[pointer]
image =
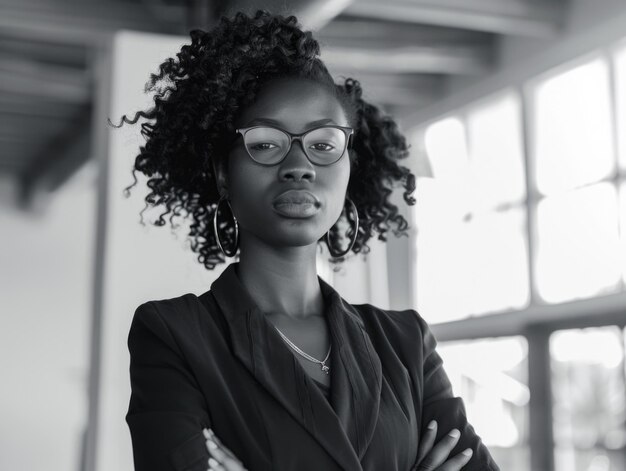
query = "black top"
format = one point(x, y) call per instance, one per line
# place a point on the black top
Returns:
point(216, 361)
point(325, 389)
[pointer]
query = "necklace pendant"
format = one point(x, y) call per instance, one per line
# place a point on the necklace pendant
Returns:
point(325, 368)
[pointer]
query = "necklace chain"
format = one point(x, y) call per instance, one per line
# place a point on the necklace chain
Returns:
point(325, 368)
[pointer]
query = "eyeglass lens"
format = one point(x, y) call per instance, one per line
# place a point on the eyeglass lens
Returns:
point(323, 145)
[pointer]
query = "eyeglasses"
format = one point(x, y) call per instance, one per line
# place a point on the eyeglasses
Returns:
point(268, 145)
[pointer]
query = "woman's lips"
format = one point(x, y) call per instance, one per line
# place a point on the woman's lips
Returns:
point(296, 204)
point(296, 210)
point(296, 196)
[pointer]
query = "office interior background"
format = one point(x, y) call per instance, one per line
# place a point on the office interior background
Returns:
point(516, 115)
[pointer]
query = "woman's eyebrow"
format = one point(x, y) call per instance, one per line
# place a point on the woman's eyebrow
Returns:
point(278, 123)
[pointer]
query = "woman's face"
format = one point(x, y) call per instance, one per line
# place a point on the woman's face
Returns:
point(294, 105)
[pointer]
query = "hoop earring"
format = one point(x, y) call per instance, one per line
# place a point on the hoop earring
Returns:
point(217, 236)
point(356, 232)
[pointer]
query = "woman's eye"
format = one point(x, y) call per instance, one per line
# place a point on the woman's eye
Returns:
point(322, 146)
point(262, 146)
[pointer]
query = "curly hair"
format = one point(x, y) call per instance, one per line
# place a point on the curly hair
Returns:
point(197, 98)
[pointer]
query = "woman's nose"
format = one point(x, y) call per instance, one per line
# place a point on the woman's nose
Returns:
point(296, 164)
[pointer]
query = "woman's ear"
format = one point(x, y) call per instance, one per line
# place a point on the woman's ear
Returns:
point(220, 178)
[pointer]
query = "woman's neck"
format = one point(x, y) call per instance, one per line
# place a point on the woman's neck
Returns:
point(283, 285)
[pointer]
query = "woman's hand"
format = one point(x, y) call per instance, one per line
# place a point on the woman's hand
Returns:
point(435, 458)
point(429, 458)
point(222, 458)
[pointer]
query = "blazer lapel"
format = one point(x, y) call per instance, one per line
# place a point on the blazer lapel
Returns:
point(345, 426)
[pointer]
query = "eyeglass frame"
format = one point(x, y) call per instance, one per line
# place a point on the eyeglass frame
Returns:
point(348, 131)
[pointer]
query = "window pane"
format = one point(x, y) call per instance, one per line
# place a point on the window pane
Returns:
point(443, 252)
point(589, 397)
point(578, 244)
point(622, 204)
point(471, 266)
point(447, 148)
point(420, 160)
point(620, 83)
point(572, 128)
point(491, 375)
point(495, 148)
point(498, 261)
point(440, 200)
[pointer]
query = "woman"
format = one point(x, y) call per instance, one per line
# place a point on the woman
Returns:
point(271, 369)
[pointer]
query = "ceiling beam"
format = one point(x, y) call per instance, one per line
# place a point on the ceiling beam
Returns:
point(58, 159)
point(20, 125)
point(71, 21)
point(59, 54)
point(18, 151)
point(311, 14)
point(11, 166)
point(40, 80)
point(166, 13)
point(535, 18)
point(397, 89)
point(459, 60)
point(347, 31)
point(380, 46)
point(27, 105)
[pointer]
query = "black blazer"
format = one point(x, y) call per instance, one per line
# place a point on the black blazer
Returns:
point(216, 361)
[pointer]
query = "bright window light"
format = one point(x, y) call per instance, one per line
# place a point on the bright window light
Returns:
point(440, 200)
point(622, 210)
point(578, 244)
point(491, 375)
point(468, 267)
point(572, 129)
point(498, 262)
point(620, 83)
point(472, 260)
point(496, 154)
point(447, 148)
point(602, 347)
point(588, 391)
point(443, 249)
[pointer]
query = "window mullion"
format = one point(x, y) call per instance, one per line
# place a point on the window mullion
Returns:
point(613, 104)
point(540, 406)
point(532, 194)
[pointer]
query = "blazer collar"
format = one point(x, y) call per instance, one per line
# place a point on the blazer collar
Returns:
point(344, 427)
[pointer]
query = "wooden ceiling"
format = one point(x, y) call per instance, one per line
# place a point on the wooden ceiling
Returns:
point(402, 51)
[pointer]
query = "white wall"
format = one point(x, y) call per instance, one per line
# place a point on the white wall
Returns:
point(45, 312)
point(140, 263)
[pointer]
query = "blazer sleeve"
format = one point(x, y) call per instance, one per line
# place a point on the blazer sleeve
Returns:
point(440, 404)
point(167, 410)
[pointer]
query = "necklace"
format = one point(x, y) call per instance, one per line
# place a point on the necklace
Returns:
point(325, 368)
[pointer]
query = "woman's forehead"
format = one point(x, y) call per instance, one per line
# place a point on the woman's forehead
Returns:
point(294, 103)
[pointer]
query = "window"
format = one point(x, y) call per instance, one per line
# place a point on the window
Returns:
point(473, 227)
point(622, 250)
point(620, 91)
point(577, 244)
point(620, 100)
point(572, 128)
point(524, 221)
point(589, 397)
point(471, 218)
point(574, 157)
point(496, 152)
point(492, 377)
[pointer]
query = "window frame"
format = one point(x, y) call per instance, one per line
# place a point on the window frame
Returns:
point(512, 322)
point(539, 319)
